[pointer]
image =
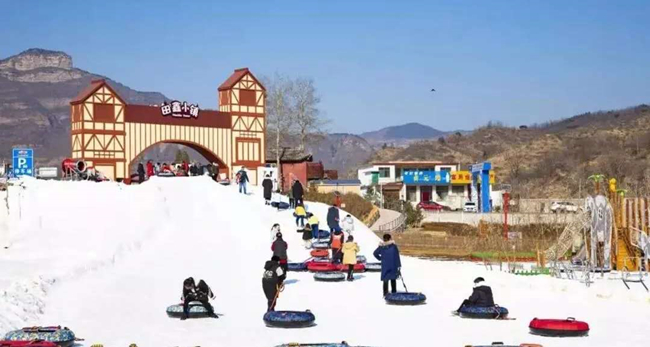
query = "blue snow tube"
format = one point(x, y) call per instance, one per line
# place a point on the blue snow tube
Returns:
point(196, 310)
point(289, 319)
point(491, 312)
point(323, 234)
point(296, 267)
point(373, 267)
point(280, 205)
point(329, 276)
point(63, 337)
point(320, 245)
point(405, 298)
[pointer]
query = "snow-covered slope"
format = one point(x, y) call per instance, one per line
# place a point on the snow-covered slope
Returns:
point(107, 259)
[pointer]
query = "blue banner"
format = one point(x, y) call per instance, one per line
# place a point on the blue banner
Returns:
point(425, 177)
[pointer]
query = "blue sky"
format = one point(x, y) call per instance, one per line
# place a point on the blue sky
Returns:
point(374, 62)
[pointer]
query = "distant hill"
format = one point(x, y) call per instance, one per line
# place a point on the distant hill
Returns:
point(342, 152)
point(402, 134)
point(36, 87)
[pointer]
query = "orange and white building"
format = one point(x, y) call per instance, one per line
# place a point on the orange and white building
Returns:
point(108, 133)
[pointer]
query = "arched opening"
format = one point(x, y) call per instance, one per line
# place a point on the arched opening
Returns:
point(167, 152)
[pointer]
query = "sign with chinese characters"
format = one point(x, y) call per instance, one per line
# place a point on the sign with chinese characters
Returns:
point(23, 161)
point(180, 109)
point(465, 177)
point(425, 177)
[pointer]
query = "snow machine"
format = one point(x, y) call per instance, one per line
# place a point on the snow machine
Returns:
point(196, 310)
point(280, 205)
point(63, 337)
point(289, 319)
point(35, 343)
point(569, 327)
point(320, 245)
point(320, 253)
point(361, 259)
point(329, 276)
point(405, 298)
point(296, 267)
point(373, 267)
point(491, 312)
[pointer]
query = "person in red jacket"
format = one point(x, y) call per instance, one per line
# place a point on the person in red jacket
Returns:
point(186, 167)
point(149, 169)
point(336, 243)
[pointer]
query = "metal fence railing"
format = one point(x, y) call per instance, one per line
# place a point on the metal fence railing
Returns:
point(396, 225)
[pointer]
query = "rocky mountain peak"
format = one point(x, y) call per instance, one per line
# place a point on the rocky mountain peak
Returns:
point(35, 58)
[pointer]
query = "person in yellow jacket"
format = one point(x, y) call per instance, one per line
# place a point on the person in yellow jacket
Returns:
point(350, 250)
point(313, 221)
point(300, 215)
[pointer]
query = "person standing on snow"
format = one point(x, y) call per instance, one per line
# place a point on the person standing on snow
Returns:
point(140, 173)
point(336, 244)
point(350, 250)
point(268, 189)
point(348, 224)
point(279, 248)
point(300, 215)
point(271, 282)
point(481, 296)
point(297, 192)
point(149, 169)
point(391, 265)
point(306, 236)
point(242, 179)
point(333, 219)
point(200, 293)
point(313, 221)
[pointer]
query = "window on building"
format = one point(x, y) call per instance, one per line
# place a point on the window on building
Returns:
point(104, 113)
point(247, 97)
point(458, 190)
point(442, 192)
point(398, 172)
point(384, 172)
point(447, 169)
point(411, 193)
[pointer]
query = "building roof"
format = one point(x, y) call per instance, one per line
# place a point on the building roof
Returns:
point(338, 182)
point(236, 76)
point(288, 155)
point(91, 89)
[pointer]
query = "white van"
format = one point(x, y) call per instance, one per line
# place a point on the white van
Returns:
point(470, 206)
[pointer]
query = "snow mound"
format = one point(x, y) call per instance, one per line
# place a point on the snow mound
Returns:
point(107, 259)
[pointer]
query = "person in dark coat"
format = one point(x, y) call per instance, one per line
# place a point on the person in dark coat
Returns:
point(391, 265)
point(200, 293)
point(140, 173)
point(279, 248)
point(333, 219)
point(481, 296)
point(242, 179)
point(268, 188)
point(297, 192)
point(271, 281)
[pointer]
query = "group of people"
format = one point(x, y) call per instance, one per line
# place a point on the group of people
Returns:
point(149, 169)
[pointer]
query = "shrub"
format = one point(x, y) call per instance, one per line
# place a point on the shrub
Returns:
point(414, 215)
point(354, 204)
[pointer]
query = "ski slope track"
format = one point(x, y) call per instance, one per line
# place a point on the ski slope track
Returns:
point(107, 259)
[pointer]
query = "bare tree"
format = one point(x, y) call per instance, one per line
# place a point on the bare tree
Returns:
point(305, 108)
point(279, 115)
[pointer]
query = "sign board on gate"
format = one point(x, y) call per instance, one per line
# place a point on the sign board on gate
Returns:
point(425, 177)
point(23, 162)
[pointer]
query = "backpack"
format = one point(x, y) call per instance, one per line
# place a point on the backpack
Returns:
point(337, 241)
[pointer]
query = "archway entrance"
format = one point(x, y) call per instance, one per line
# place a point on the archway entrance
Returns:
point(157, 152)
point(109, 134)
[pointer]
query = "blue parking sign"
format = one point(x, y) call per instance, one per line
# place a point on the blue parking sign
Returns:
point(23, 161)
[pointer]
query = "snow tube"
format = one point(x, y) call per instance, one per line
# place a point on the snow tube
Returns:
point(361, 259)
point(491, 312)
point(289, 319)
point(323, 234)
point(196, 310)
point(35, 343)
point(405, 298)
point(358, 267)
point(166, 174)
point(280, 205)
point(321, 267)
point(320, 253)
point(329, 276)
point(60, 336)
point(373, 267)
point(320, 245)
point(296, 267)
point(320, 260)
point(569, 327)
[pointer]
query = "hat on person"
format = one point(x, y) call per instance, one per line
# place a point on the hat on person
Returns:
point(479, 280)
point(278, 235)
point(275, 258)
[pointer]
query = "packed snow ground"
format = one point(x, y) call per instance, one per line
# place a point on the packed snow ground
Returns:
point(107, 259)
